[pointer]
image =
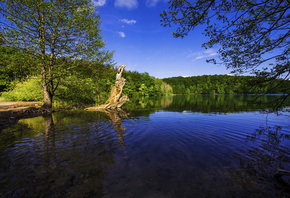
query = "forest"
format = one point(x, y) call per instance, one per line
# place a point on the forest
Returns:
point(79, 82)
point(226, 84)
point(83, 82)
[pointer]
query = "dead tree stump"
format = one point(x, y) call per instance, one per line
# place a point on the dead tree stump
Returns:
point(114, 101)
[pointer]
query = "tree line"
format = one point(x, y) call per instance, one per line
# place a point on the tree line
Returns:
point(225, 84)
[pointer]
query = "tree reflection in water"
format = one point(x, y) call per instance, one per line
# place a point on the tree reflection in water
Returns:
point(83, 177)
point(260, 162)
point(114, 115)
point(57, 163)
point(67, 172)
point(49, 141)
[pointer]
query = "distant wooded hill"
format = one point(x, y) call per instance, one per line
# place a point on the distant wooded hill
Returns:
point(225, 84)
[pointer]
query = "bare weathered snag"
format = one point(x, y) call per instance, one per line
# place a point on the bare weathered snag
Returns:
point(114, 101)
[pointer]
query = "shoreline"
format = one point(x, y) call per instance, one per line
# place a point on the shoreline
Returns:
point(10, 116)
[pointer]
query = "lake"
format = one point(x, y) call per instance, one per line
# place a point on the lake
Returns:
point(176, 146)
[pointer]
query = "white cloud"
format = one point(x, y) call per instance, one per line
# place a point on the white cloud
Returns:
point(122, 34)
point(205, 56)
point(202, 54)
point(99, 2)
point(130, 4)
point(128, 21)
point(152, 3)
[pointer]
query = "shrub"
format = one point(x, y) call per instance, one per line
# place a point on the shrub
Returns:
point(71, 90)
point(28, 90)
point(74, 89)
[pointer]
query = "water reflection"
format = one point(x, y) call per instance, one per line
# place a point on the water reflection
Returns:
point(204, 103)
point(155, 151)
point(49, 141)
point(114, 115)
point(59, 163)
point(258, 164)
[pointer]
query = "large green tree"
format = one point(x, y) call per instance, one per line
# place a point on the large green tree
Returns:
point(252, 36)
point(51, 30)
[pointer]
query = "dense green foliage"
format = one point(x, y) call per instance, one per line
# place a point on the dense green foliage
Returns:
point(76, 88)
point(28, 90)
point(15, 65)
point(80, 81)
point(51, 31)
point(142, 84)
point(251, 36)
point(224, 84)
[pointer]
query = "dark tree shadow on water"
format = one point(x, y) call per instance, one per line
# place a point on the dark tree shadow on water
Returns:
point(258, 164)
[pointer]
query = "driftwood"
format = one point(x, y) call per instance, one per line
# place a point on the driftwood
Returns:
point(114, 101)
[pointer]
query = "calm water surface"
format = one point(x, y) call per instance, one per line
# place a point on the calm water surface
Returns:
point(182, 146)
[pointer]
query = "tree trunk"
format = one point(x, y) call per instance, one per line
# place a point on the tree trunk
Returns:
point(47, 96)
point(114, 101)
point(47, 102)
point(97, 89)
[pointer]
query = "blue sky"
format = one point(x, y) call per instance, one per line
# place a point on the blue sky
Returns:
point(133, 29)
